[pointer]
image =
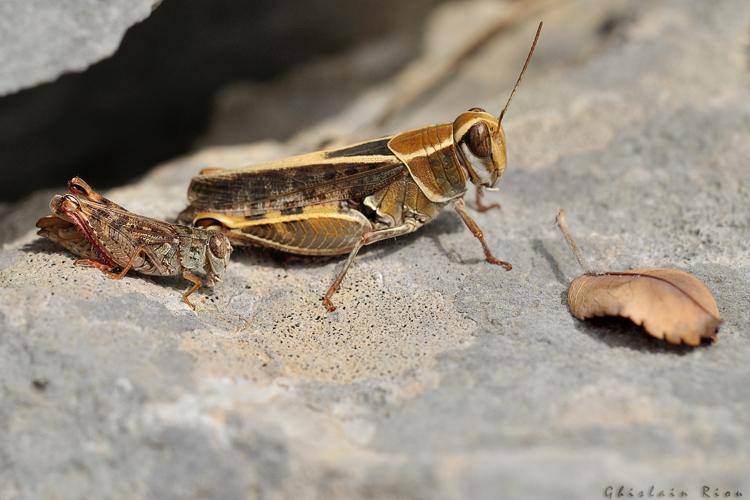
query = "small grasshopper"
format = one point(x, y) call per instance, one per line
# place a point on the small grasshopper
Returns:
point(115, 240)
point(337, 201)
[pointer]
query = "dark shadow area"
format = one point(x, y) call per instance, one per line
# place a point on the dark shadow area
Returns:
point(541, 249)
point(44, 246)
point(621, 332)
point(20, 218)
point(153, 98)
point(177, 283)
point(538, 246)
point(452, 223)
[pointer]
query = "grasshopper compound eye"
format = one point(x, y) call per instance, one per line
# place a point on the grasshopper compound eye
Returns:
point(79, 187)
point(70, 203)
point(76, 188)
point(219, 246)
point(478, 140)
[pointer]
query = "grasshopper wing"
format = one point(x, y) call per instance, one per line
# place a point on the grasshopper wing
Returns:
point(349, 173)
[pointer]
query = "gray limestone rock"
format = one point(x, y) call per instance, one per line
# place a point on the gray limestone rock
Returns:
point(42, 39)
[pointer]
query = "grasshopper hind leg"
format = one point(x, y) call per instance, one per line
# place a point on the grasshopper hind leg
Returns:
point(367, 238)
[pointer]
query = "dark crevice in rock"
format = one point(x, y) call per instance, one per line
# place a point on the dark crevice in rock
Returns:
point(152, 99)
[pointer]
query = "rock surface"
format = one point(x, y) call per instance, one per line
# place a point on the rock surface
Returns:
point(439, 376)
point(42, 39)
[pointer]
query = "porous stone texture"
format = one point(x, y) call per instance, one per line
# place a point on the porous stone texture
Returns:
point(42, 39)
point(439, 376)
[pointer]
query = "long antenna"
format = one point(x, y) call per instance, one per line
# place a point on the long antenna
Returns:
point(525, 65)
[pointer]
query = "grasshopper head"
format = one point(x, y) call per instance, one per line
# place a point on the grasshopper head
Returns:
point(65, 207)
point(217, 256)
point(76, 211)
point(481, 139)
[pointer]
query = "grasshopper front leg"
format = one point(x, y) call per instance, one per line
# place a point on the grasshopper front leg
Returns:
point(481, 207)
point(367, 238)
point(458, 205)
point(196, 284)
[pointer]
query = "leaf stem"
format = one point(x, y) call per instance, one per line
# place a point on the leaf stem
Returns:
point(563, 225)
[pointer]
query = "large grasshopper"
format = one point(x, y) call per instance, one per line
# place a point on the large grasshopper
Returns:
point(115, 240)
point(337, 201)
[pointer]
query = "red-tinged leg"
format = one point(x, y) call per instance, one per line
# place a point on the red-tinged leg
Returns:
point(367, 238)
point(340, 277)
point(102, 266)
point(481, 207)
point(477, 232)
point(128, 266)
point(197, 283)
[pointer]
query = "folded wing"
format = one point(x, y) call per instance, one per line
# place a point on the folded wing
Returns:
point(349, 173)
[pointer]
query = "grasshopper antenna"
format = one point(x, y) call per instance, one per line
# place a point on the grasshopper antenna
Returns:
point(523, 70)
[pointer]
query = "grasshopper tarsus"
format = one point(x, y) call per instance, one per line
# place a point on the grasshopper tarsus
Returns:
point(328, 304)
point(497, 262)
point(340, 276)
point(189, 304)
point(480, 206)
point(102, 266)
point(107, 269)
point(114, 275)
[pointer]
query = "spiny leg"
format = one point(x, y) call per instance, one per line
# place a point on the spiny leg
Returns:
point(340, 276)
point(458, 205)
point(367, 238)
point(107, 268)
point(197, 283)
point(128, 266)
point(102, 266)
point(481, 207)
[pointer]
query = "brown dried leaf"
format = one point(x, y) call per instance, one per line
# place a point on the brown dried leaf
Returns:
point(670, 304)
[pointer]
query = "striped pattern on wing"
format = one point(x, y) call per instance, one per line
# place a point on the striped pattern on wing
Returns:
point(349, 173)
point(307, 237)
point(325, 229)
point(120, 233)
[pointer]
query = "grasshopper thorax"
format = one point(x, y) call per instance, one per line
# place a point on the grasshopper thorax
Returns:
point(481, 141)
